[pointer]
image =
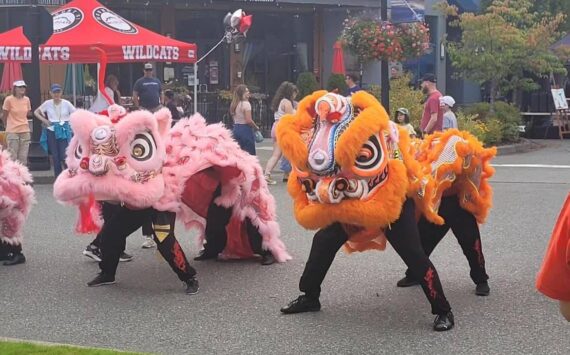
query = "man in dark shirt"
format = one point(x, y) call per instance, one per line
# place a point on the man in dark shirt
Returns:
point(147, 92)
point(432, 117)
point(350, 81)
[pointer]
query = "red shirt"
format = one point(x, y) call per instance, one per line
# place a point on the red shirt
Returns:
point(432, 106)
point(553, 279)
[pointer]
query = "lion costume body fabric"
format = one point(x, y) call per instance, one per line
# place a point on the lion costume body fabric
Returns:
point(138, 160)
point(16, 199)
point(356, 177)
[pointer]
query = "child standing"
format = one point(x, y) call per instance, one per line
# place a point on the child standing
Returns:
point(403, 119)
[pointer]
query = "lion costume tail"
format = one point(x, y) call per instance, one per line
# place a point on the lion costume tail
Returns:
point(459, 165)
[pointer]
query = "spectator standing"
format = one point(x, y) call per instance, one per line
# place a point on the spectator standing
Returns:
point(147, 92)
point(54, 115)
point(244, 127)
point(449, 119)
point(15, 112)
point(170, 103)
point(112, 90)
point(432, 117)
point(350, 80)
point(402, 118)
point(282, 104)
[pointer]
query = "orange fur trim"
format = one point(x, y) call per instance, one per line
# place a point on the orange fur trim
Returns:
point(378, 212)
point(421, 184)
point(291, 128)
point(361, 239)
point(471, 159)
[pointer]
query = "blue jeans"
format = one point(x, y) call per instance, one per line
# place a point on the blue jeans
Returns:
point(245, 137)
point(57, 149)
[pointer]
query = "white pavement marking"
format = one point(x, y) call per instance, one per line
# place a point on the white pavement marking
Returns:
point(547, 166)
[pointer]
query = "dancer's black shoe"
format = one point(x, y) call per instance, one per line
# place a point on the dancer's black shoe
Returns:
point(192, 286)
point(407, 282)
point(101, 279)
point(267, 258)
point(443, 322)
point(482, 289)
point(15, 259)
point(302, 304)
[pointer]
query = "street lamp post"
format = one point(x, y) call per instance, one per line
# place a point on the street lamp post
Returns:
point(384, 63)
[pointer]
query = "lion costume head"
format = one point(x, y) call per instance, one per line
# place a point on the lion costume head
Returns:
point(347, 164)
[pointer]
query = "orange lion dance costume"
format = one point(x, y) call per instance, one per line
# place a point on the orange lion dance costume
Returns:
point(357, 178)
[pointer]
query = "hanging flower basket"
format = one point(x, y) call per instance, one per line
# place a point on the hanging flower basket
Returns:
point(372, 39)
point(414, 38)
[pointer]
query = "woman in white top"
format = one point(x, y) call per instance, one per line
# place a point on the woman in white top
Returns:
point(54, 115)
point(244, 127)
point(282, 105)
point(112, 90)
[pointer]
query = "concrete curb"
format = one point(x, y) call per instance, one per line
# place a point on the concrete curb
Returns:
point(523, 146)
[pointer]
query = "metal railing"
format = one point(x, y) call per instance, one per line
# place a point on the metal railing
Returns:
point(213, 108)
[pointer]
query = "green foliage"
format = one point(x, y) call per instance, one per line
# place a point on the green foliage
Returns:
point(490, 132)
point(307, 84)
point(336, 81)
point(507, 116)
point(225, 95)
point(469, 123)
point(403, 94)
point(505, 44)
point(376, 91)
point(16, 348)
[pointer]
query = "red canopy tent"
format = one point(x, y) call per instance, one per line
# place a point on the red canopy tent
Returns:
point(82, 25)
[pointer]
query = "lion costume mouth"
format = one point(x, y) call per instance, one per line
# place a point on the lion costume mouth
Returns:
point(337, 189)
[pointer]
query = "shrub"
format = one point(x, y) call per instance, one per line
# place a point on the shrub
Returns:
point(336, 81)
point(307, 84)
point(490, 132)
point(470, 123)
point(508, 116)
point(402, 94)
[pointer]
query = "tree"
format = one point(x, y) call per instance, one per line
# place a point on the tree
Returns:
point(506, 46)
point(545, 7)
point(306, 83)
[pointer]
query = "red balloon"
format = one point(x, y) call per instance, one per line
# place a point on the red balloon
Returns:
point(245, 23)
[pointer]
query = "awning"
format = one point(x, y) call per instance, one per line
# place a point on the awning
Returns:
point(82, 25)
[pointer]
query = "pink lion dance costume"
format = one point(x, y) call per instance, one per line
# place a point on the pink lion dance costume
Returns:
point(137, 160)
point(16, 200)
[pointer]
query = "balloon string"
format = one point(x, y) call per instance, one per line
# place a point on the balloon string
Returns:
point(211, 50)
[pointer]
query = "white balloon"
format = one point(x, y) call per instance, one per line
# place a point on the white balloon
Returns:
point(236, 18)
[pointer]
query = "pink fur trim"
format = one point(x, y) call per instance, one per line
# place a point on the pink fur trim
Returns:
point(16, 198)
point(193, 146)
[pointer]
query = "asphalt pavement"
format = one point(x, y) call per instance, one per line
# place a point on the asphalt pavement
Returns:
point(237, 309)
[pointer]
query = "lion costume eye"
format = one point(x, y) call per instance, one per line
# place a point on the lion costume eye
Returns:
point(78, 152)
point(370, 160)
point(143, 146)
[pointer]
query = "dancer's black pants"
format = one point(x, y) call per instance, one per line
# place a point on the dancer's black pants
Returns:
point(107, 210)
point(125, 221)
point(217, 220)
point(466, 230)
point(404, 238)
